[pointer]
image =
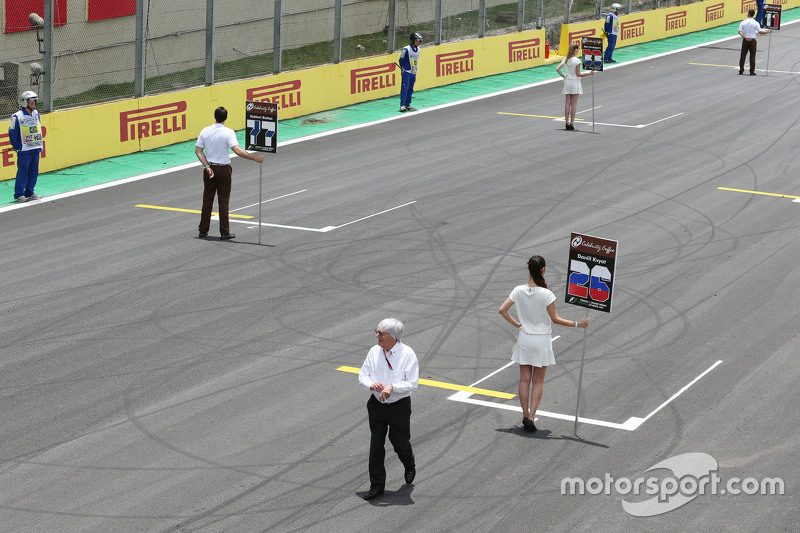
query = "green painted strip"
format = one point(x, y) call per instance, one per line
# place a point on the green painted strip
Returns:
point(115, 168)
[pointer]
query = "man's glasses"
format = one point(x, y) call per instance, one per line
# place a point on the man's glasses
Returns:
point(380, 333)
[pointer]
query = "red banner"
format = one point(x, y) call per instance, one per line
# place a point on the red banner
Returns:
point(109, 9)
point(17, 12)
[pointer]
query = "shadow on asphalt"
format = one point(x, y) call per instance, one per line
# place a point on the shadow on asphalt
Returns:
point(402, 496)
point(546, 434)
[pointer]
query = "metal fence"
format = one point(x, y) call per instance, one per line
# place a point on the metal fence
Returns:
point(174, 44)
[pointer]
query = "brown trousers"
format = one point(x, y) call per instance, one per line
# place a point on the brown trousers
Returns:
point(219, 185)
point(748, 46)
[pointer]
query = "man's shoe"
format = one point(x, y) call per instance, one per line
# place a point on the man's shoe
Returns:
point(21, 199)
point(227, 236)
point(411, 108)
point(411, 473)
point(741, 72)
point(611, 61)
point(752, 73)
point(403, 109)
point(34, 196)
point(372, 494)
point(202, 235)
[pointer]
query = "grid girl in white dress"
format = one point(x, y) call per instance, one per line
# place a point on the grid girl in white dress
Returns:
point(572, 83)
point(536, 312)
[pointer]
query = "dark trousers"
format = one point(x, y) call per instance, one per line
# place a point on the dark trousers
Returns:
point(27, 172)
point(396, 418)
point(219, 185)
point(407, 81)
point(748, 46)
point(612, 43)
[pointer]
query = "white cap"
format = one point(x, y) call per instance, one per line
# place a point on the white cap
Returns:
point(616, 6)
point(27, 95)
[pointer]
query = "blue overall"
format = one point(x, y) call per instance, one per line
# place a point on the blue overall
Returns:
point(27, 160)
point(612, 38)
point(409, 74)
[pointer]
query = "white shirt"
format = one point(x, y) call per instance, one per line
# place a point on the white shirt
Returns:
point(750, 28)
point(403, 376)
point(569, 72)
point(216, 139)
point(532, 305)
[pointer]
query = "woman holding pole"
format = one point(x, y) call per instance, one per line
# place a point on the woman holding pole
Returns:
point(572, 83)
point(533, 350)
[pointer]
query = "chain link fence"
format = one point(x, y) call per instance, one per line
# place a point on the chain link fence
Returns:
point(92, 54)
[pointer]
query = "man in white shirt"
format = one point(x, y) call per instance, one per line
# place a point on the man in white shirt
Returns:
point(212, 151)
point(749, 29)
point(391, 372)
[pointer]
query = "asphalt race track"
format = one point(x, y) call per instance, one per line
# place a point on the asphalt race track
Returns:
point(153, 381)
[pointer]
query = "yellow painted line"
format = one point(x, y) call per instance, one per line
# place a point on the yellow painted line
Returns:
point(713, 65)
point(448, 386)
point(182, 210)
point(526, 115)
point(534, 116)
point(779, 195)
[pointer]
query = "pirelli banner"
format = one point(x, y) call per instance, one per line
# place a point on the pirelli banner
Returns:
point(140, 124)
point(658, 24)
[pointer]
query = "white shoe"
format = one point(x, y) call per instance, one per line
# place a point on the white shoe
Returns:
point(21, 199)
point(402, 109)
point(34, 196)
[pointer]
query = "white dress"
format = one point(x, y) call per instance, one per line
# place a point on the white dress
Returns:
point(534, 339)
point(572, 83)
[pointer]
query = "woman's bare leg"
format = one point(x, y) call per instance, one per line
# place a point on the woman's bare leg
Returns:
point(525, 372)
point(566, 108)
point(573, 107)
point(538, 389)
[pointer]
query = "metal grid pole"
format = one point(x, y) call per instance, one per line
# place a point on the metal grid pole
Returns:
point(337, 32)
point(520, 14)
point(277, 51)
point(141, 43)
point(438, 36)
point(47, 82)
point(567, 11)
point(209, 42)
point(540, 14)
point(481, 18)
point(390, 37)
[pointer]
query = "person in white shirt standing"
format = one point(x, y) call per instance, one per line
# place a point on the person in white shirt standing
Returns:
point(212, 151)
point(391, 372)
point(749, 29)
point(533, 351)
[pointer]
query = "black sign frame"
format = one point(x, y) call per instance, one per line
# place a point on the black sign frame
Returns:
point(772, 13)
point(590, 272)
point(594, 47)
point(258, 115)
